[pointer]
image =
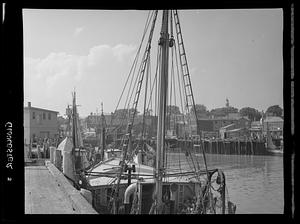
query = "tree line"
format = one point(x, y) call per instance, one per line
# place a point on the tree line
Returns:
point(202, 112)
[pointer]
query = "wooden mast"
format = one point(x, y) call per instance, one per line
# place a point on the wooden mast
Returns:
point(102, 132)
point(77, 141)
point(74, 122)
point(163, 86)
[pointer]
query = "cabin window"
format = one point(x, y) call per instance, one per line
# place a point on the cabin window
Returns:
point(33, 115)
point(44, 116)
point(49, 116)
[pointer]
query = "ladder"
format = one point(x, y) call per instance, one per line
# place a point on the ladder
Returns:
point(190, 102)
point(189, 97)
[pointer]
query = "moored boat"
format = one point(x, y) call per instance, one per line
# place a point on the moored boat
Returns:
point(127, 183)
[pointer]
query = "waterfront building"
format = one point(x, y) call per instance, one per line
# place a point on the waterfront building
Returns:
point(39, 123)
point(274, 125)
point(117, 125)
point(216, 123)
point(256, 130)
point(224, 130)
point(211, 127)
point(94, 120)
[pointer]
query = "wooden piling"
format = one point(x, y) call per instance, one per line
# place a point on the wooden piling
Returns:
point(52, 154)
point(58, 159)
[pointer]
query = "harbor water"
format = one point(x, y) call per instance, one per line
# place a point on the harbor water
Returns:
point(254, 183)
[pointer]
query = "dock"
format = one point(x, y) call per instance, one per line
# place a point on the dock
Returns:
point(219, 146)
point(48, 191)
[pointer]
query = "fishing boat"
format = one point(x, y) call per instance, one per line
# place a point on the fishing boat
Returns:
point(72, 156)
point(149, 178)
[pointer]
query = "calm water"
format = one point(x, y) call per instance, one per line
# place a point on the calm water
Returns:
point(254, 183)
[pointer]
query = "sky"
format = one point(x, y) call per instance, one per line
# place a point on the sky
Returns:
point(234, 54)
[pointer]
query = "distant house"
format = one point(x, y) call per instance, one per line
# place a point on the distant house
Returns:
point(223, 130)
point(215, 124)
point(237, 133)
point(256, 130)
point(274, 125)
point(39, 123)
point(256, 124)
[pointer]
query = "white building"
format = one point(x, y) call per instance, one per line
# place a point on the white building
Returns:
point(39, 123)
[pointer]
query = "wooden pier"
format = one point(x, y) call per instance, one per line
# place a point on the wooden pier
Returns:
point(47, 191)
point(232, 147)
point(217, 146)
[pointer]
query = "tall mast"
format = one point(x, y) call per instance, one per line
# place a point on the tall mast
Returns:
point(74, 122)
point(102, 132)
point(163, 86)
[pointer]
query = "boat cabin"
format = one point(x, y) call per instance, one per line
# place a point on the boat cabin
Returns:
point(140, 186)
point(111, 153)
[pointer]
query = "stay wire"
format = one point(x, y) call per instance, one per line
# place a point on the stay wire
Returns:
point(133, 67)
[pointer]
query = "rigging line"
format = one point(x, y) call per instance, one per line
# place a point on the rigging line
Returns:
point(154, 80)
point(122, 115)
point(133, 89)
point(143, 65)
point(137, 78)
point(174, 87)
point(133, 67)
point(169, 109)
point(182, 72)
point(185, 91)
point(193, 101)
point(150, 97)
point(156, 83)
point(197, 160)
point(145, 99)
point(172, 71)
point(125, 149)
point(179, 86)
point(187, 69)
point(194, 155)
point(149, 105)
point(125, 114)
point(181, 98)
point(140, 46)
point(132, 70)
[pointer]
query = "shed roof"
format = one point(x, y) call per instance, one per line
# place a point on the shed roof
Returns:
point(42, 109)
point(273, 119)
point(235, 130)
point(227, 126)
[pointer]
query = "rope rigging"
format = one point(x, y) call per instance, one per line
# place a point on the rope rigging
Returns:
point(127, 137)
point(132, 69)
point(180, 107)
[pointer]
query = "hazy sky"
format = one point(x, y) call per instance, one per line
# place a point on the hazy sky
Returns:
point(231, 53)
